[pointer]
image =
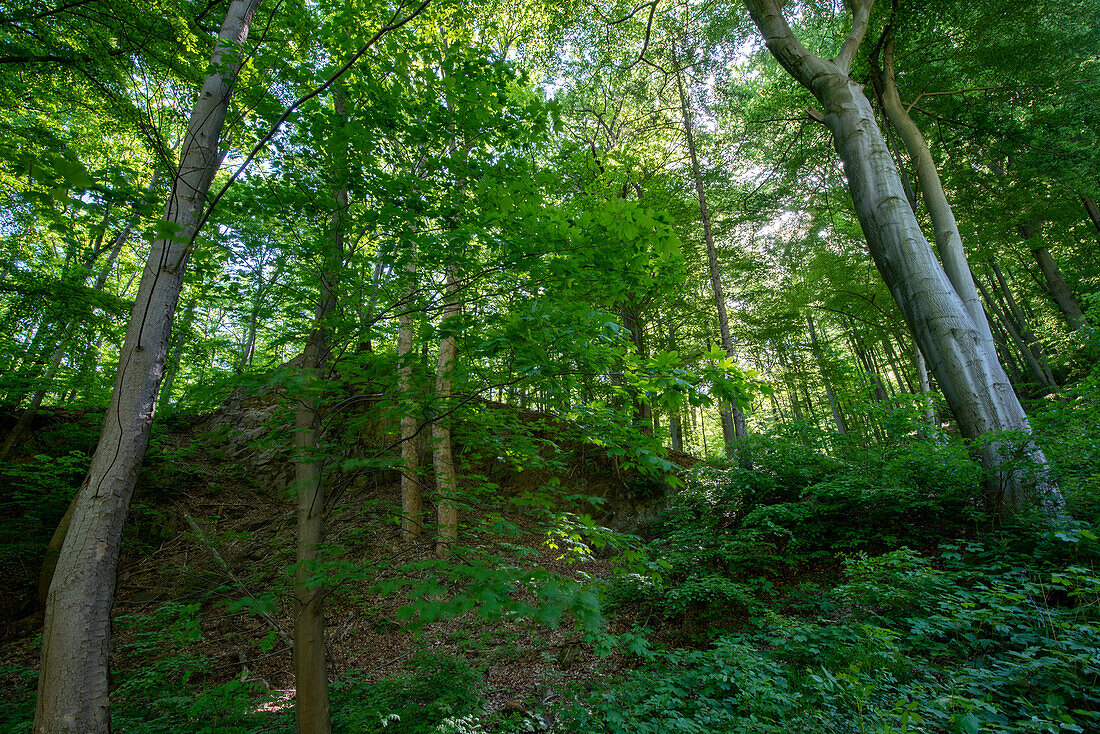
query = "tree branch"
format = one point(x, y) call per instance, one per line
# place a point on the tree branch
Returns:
point(861, 15)
point(392, 25)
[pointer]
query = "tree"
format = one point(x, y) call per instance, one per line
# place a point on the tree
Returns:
point(730, 414)
point(967, 369)
point(73, 685)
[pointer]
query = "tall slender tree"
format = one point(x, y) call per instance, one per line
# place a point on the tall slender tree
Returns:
point(964, 362)
point(73, 683)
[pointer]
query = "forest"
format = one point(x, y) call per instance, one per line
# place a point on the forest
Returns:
point(627, 366)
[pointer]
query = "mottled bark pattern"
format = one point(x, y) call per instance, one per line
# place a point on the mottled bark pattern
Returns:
point(969, 374)
point(73, 680)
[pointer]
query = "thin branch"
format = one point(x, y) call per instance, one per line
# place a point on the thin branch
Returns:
point(861, 14)
point(648, 33)
point(955, 91)
point(633, 13)
point(393, 25)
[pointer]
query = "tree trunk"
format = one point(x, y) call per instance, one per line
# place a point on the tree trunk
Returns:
point(173, 367)
point(948, 240)
point(642, 412)
point(248, 349)
point(675, 427)
point(960, 355)
point(31, 410)
point(731, 415)
point(925, 387)
point(1019, 339)
point(904, 384)
point(1061, 293)
point(446, 486)
point(819, 356)
point(65, 336)
point(73, 682)
point(311, 699)
point(1020, 315)
point(1092, 210)
point(411, 526)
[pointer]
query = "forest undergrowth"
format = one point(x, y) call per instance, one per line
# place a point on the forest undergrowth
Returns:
point(808, 584)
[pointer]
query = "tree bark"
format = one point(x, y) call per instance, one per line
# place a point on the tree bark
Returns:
point(1092, 210)
point(172, 368)
point(819, 356)
point(411, 526)
point(925, 387)
point(948, 240)
point(311, 699)
point(733, 420)
point(446, 486)
point(1020, 315)
point(1008, 321)
point(1061, 293)
point(961, 357)
point(73, 676)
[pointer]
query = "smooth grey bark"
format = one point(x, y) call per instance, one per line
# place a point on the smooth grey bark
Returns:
point(1059, 291)
point(734, 426)
point(948, 240)
point(819, 357)
point(963, 360)
point(73, 682)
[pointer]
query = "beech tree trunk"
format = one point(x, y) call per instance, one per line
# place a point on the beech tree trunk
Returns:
point(819, 356)
point(925, 387)
point(956, 348)
point(446, 486)
point(1020, 315)
point(311, 701)
point(410, 476)
point(1059, 291)
point(1014, 331)
point(734, 426)
point(311, 698)
point(948, 240)
point(73, 682)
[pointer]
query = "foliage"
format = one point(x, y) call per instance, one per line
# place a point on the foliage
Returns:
point(730, 530)
point(528, 160)
point(436, 696)
point(974, 638)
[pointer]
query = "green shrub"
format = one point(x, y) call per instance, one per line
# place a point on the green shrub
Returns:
point(438, 688)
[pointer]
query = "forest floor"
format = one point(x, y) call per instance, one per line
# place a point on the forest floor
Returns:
point(848, 590)
point(220, 541)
